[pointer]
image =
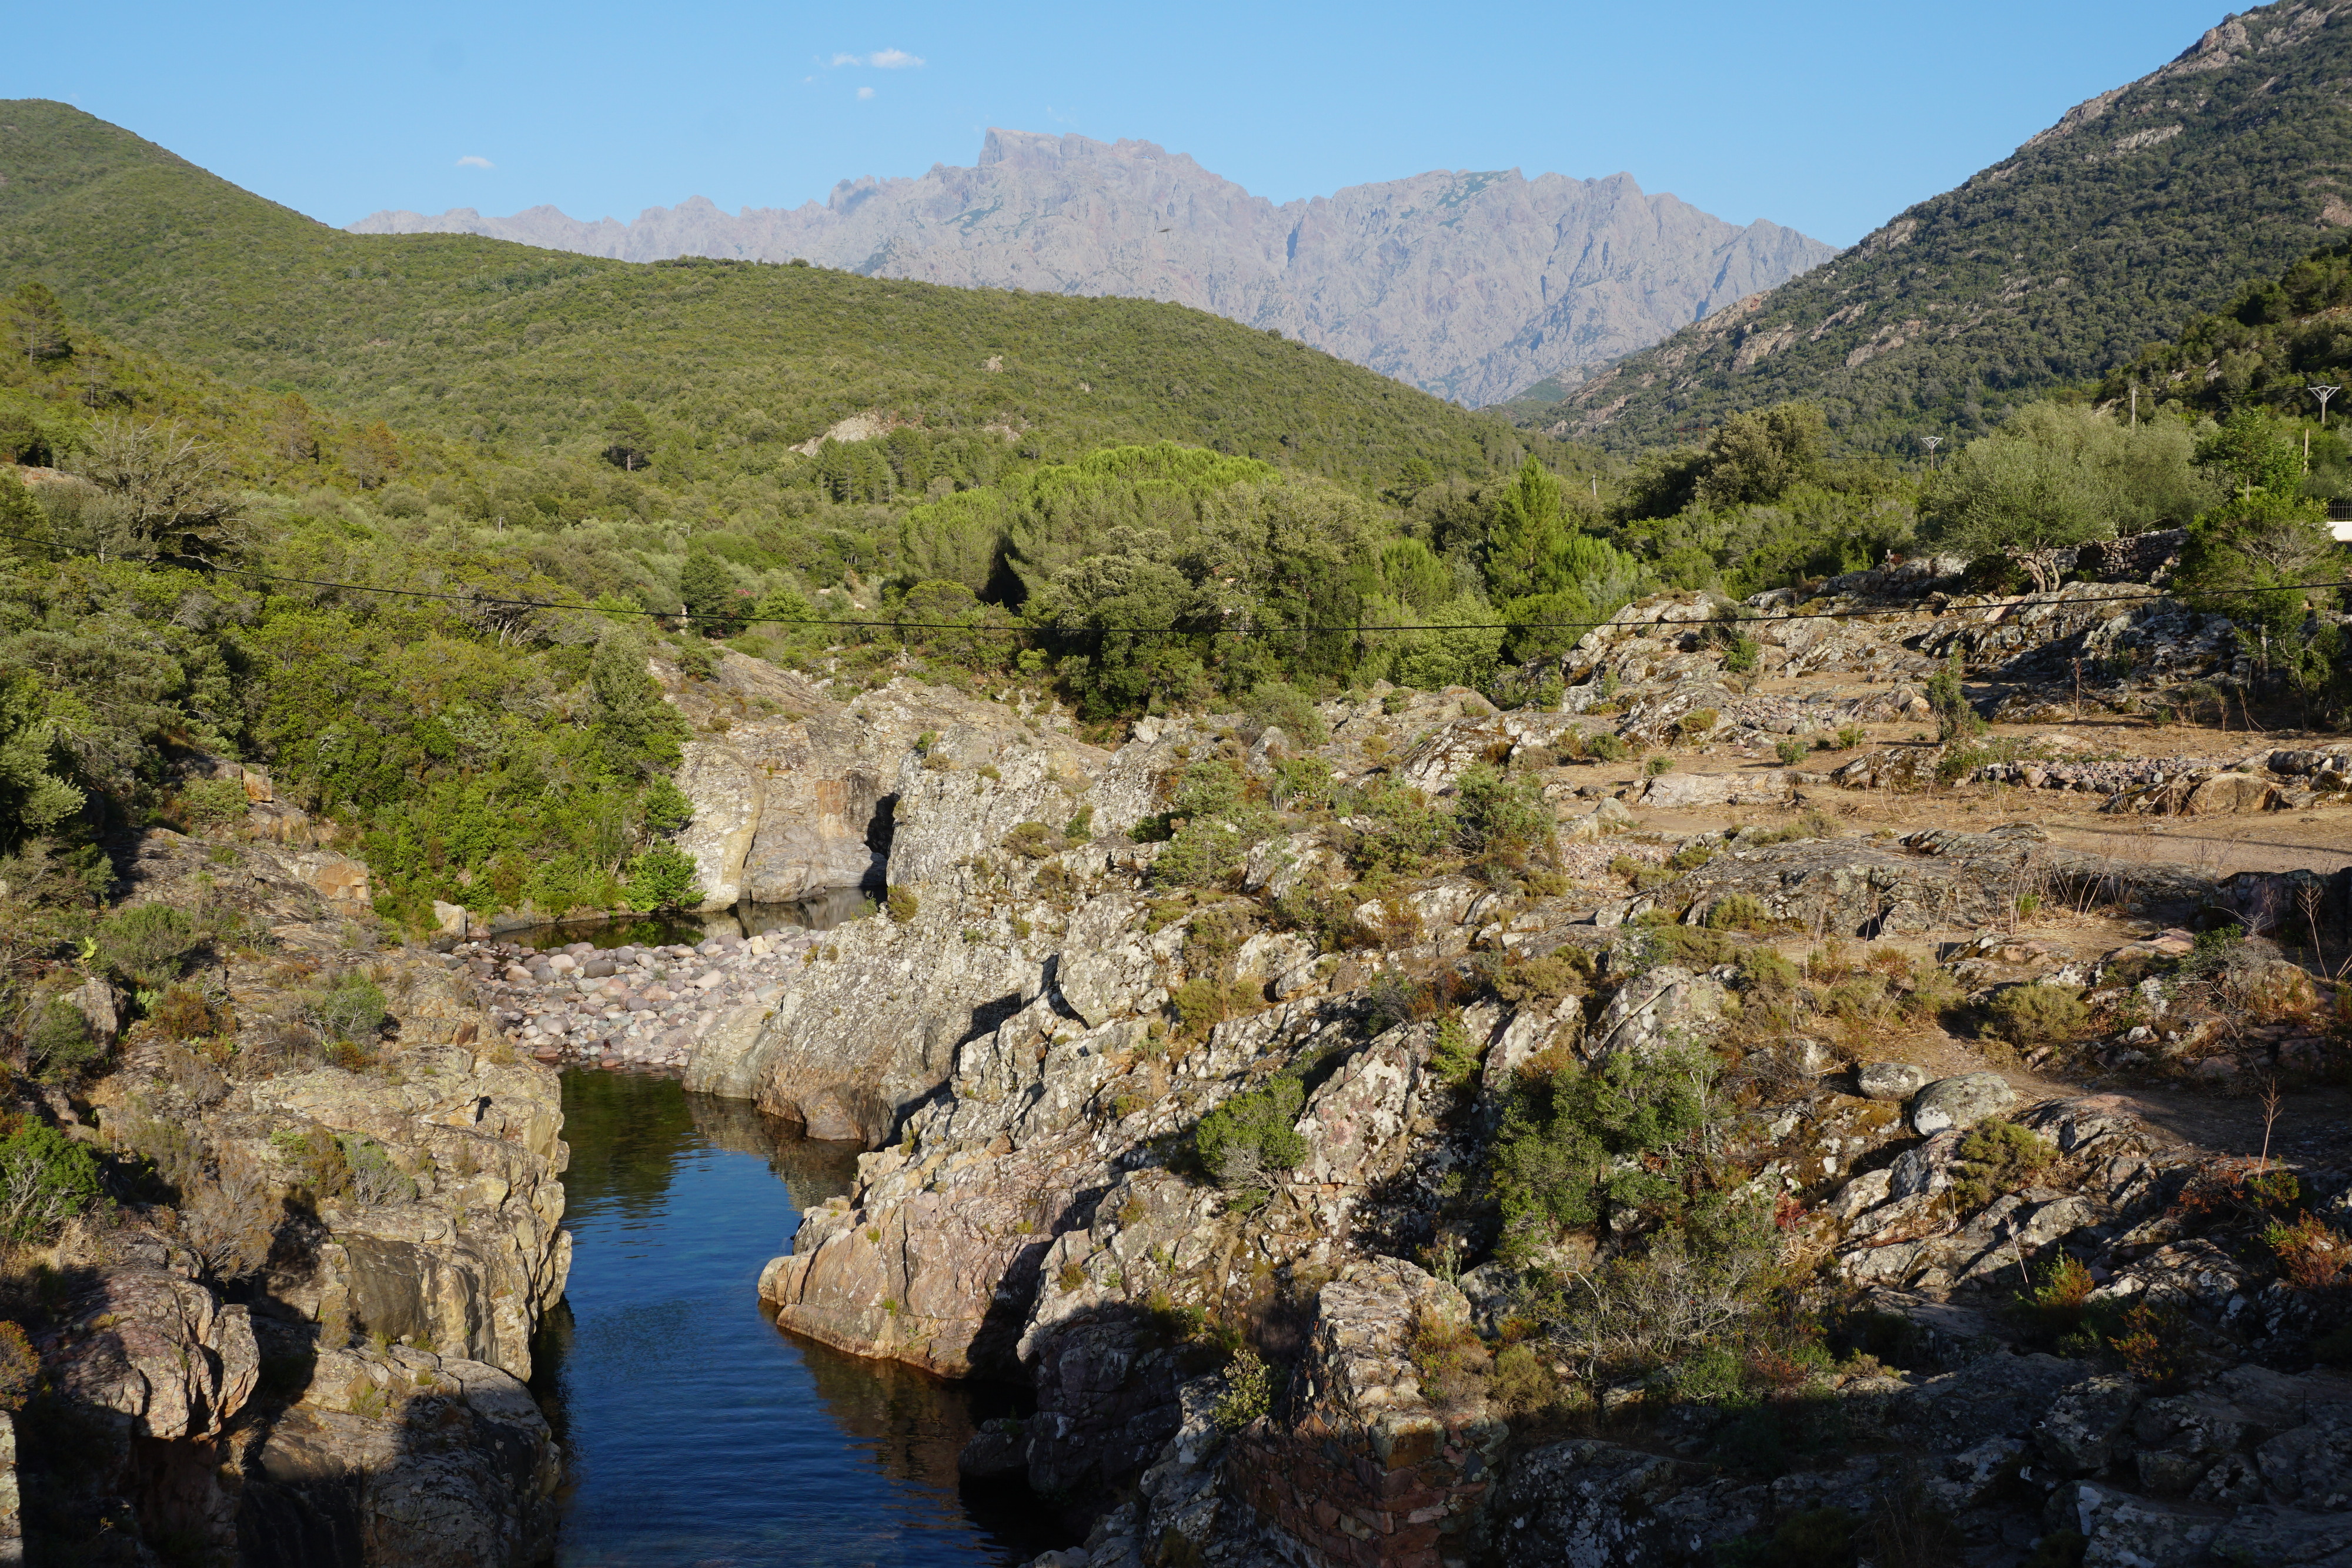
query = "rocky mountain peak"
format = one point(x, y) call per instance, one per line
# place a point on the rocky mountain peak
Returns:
point(1472, 284)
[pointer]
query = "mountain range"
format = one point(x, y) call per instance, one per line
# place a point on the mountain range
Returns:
point(2137, 211)
point(521, 352)
point(1472, 286)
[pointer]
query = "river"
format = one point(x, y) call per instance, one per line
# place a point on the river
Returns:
point(696, 1434)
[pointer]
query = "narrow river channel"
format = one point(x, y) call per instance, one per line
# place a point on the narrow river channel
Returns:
point(695, 1433)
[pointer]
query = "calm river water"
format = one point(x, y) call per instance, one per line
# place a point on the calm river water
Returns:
point(697, 1434)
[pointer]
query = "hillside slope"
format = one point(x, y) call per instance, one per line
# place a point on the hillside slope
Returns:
point(504, 344)
point(1468, 285)
point(2138, 209)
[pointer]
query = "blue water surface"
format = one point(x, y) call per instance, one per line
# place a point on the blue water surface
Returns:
point(696, 1433)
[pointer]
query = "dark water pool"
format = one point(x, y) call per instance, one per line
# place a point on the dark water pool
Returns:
point(696, 1433)
point(818, 912)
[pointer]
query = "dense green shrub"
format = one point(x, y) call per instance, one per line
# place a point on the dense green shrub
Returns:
point(373, 1178)
point(1279, 704)
point(20, 1367)
point(352, 1009)
point(1499, 817)
point(1739, 912)
point(45, 1178)
point(901, 905)
point(1998, 1156)
point(1246, 1142)
point(663, 878)
point(1396, 830)
point(1956, 717)
point(149, 945)
point(58, 1043)
point(2036, 1014)
point(1569, 1143)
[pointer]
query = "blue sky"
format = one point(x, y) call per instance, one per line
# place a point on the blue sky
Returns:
point(1829, 116)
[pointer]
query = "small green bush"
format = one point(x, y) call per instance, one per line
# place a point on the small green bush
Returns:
point(1301, 784)
point(1740, 658)
point(58, 1045)
point(1955, 717)
point(1202, 1003)
point(1567, 1147)
point(1249, 1391)
point(1456, 1057)
point(1789, 750)
point(1697, 723)
point(1765, 971)
point(1739, 912)
point(901, 905)
point(45, 1178)
point(1397, 830)
point(1564, 971)
point(149, 945)
point(1245, 1141)
point(352, 1009)
point(316, 1160)
point(2036, 1014)
point(373, 1177)
point(20, 1367)
point(666, 807)
point(1081, 824)
point(208, 805)
point(1033, 839)
point(1606, 747)
point(1850, 735)
point(1658, 766)
point(663, 877)
point(1278, 704)
point(1497, 815)
point(1995, 1157)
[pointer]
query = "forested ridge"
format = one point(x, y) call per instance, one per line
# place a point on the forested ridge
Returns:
point(524, 351)
point(2140, 209)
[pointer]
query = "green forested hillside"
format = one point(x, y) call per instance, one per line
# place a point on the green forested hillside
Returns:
point(529, 352)
point(2139, 209)
point(2264, 349)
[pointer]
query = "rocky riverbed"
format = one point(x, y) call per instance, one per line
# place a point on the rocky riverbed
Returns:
point(632, 1006)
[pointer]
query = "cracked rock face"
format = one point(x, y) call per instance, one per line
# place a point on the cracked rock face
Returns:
point(190, 1414)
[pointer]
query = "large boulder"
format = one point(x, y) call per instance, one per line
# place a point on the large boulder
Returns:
point(1659, 1008)
point(1959, 1102)
point(157, 1352)
point(2232, 792)
point(726, 794)
point(1889, 1080)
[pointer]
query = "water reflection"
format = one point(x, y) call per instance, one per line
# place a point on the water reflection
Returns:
point(696, 1431)
point(818, 912)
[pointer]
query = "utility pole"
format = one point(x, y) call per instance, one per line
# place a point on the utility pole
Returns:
point(2135, 419)
point(2323, 394)
point(1931, 442)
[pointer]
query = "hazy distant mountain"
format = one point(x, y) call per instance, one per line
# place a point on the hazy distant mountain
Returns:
point(1470, 285)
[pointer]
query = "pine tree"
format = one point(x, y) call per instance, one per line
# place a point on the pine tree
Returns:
point(1528, 531)
point(37, 324)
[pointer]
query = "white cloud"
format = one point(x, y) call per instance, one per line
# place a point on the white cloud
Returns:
point(864, 92)
point(474, 161)
point(880, 59)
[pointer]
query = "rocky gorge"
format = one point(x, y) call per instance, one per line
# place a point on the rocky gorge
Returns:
point(1228, 1085)
point(2003, 1368)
